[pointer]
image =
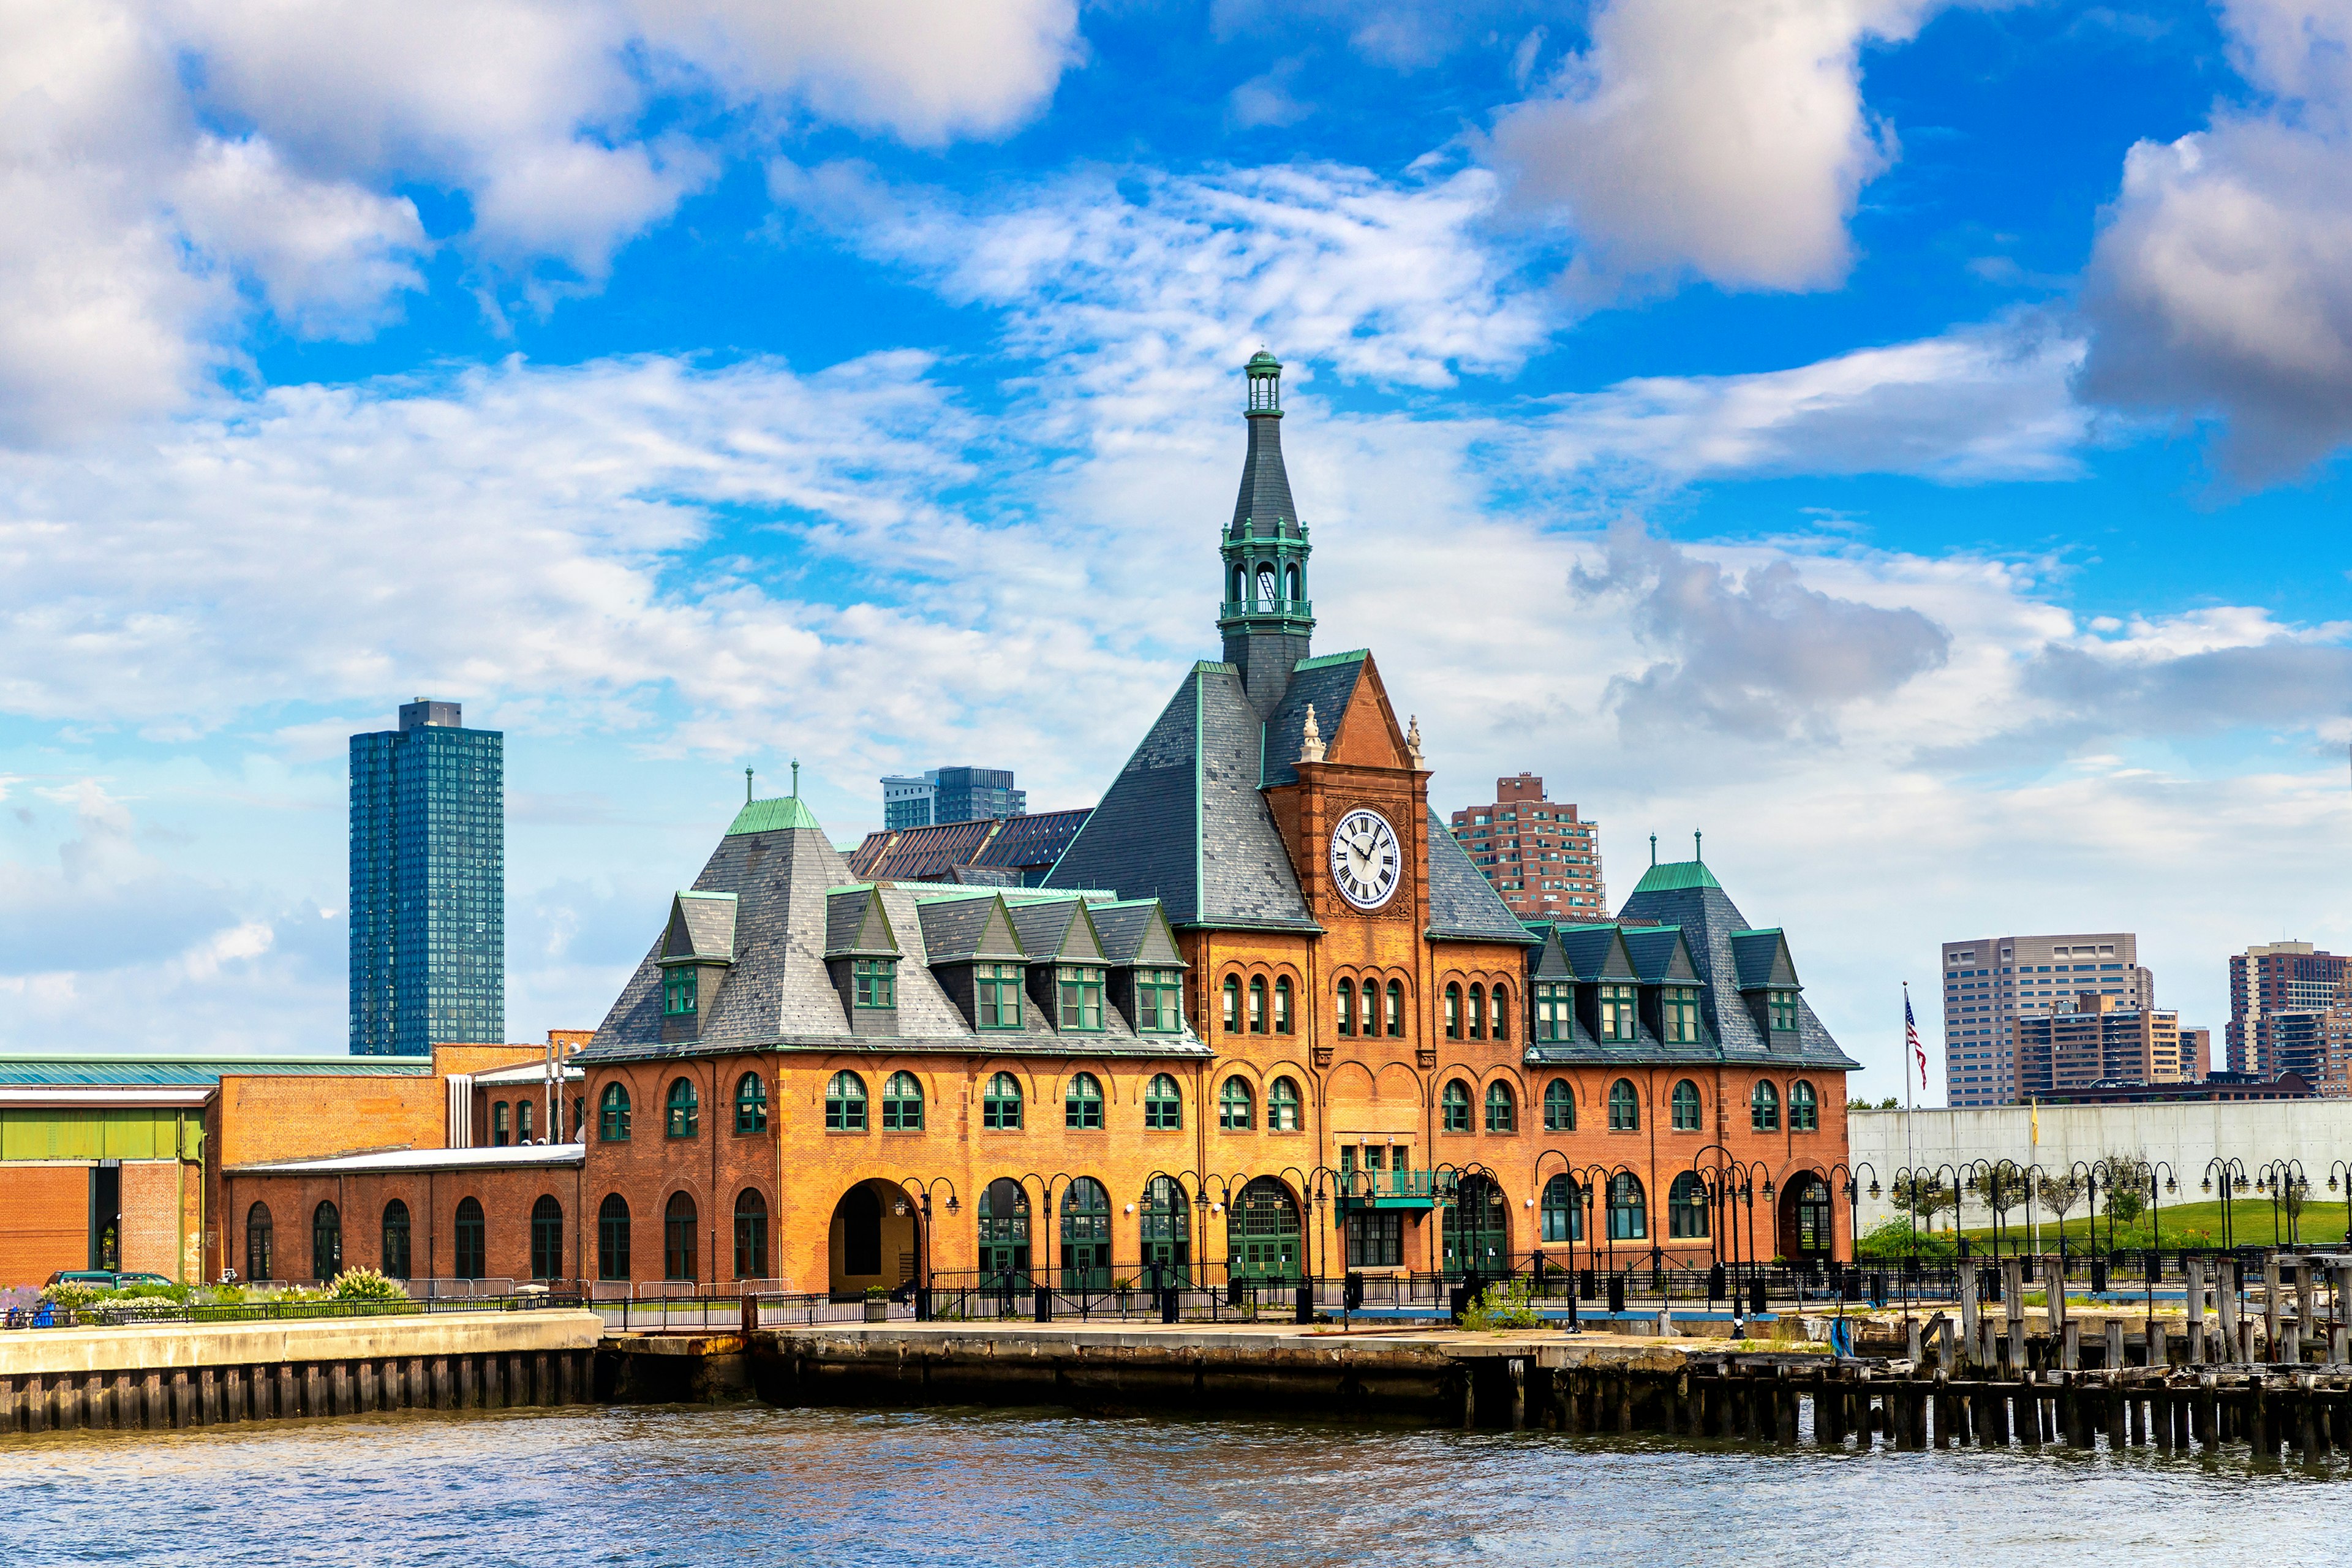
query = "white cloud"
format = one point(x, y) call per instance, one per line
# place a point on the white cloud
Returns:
point(2220, 286)
point(1724, 139)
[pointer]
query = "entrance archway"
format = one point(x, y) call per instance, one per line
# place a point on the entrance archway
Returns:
point(1004, 1234)
point(1085, 1235)
point(1262, 1233)
point(1167, 1233)
point(1478, 1230)
point(873, 1239)
point(1808, 1223)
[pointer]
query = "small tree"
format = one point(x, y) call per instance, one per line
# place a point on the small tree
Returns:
point(2126, 1187)
point(2004, 1187)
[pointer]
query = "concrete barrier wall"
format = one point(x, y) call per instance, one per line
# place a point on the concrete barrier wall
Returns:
point(168, 1345)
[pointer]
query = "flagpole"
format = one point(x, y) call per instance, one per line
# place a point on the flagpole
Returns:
point(1910, 1142)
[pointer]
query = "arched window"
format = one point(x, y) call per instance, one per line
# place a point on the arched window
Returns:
point(1163, 1105)
point(1000, 1107)
point(750, 1235)
point(1232, 1004)
point(1686, 1107)
point(1167, 1229)
point(1560, 1106)
point(1257, 1004)
point(1686, 1208)
point(679, 1225)
point(522, 1120)
point(845, 1103)
point(1085, 1235)
point(1804, 1109)
point(1628, 1219)
point(1082, 1102)
point(499, 1124)
point(1625, 1106)
point(473, 1243)
point(1290, 582)
point(1764, 1107)
point(1563, 1210)
point(1282, 1106)
point(1241, 585)
point(1502, 1110)
point(580, 1119)
point(1477, 1012)
point(1502, 1000)
point(684, 1108)
point(902, 1104)
point(613, 1238)
point(260, 1237)
point(613, 1115)
point(1396, 1009)
point(326, 1242)
point(547, 1238)
point(1345, 1014)
point(1262, 1233)
point(1234, 1106)
point(1454, 1012)
point(751, 1103)
point(1455, 1103)
point(1004, 1234)
point(1282, 1005)
point(395, 1239)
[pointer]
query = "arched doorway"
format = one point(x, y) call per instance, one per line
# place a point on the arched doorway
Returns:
point(1808, 1222)
point(1478, 1230)
point(1085, 1235)
point(1004, 1234)
point(1167, 1233)
point(1262, 1233)
point(873, 1239)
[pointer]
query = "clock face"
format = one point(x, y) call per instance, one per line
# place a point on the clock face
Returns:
point(1365, 859)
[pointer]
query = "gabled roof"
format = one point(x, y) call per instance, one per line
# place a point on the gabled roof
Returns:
point(701, 926)
point(1674, 875)
point(856, 925)
point(1548, 961)
point(1184, 822)
point(1763, 962)
point(1327, 684)
point(1661, 956)
point(1598, 953)
point(1461, 903)
point(1057, 930)
point(1709, 920)
point(968, 851)
point(968, 926)
point(1135, 931)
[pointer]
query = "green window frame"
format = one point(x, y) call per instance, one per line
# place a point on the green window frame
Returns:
point(1284, 1018)
point(1764, 1107)
point(1502, 1107)
point(1619, 1019)
point(1454, 1012)
point(845, 1103)
point(1257, 1004)
point(473, 1240)
point(680, 1230)
point(750, 1235)
point(613, 1114)
point(1500, 999)
point(751, 1103)
point(1082, 998)
point(1804, 1107)
point(1629, 1218)
point(1625, 1106)
point(1679, 1007)
point(684, 1108)
point(1000, 1104)
point(874, 982)
point(499, 1124)
point(1688, 1112)
point(613, 1238)
point(395, 1239)
point(902, 1104)
point(1160, 1001)
point(547, 1238)
point(1343, 1012)
point(1554, 1008)
point(1232, 1016)
point(1687, 1209)
point(1396, 1009)
point(1453, 1104)
point(1082, 1102)
point(1563, 1210)
point(1235, 1111)
point(996, 992)
point(1282, 1106)
point(1560, 1106)
point(1163, 1104)
point(679, 992)
point(1477, 1012)
point(1782, 1005)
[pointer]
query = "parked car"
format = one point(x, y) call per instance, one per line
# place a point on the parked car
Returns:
point(104, 1278)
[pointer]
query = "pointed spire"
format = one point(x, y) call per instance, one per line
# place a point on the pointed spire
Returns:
point(1412, 740)
point(1264, 508)
point(1310, 742)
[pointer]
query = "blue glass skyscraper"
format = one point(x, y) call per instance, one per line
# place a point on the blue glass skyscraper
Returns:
point(429, 884)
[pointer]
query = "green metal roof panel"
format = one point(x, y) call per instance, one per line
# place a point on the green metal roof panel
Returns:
point(1675, 875)
point(782, 815)
point(161, 1072)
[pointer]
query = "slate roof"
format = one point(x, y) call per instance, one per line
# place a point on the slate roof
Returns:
point(1265, 495)
point(969, 851)
point(1462, 902)
point(1686, 895)
point(1135, 931)
point(1329, 683)
point(702, 925)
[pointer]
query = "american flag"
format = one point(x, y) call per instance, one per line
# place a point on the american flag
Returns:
point(1911, 1032)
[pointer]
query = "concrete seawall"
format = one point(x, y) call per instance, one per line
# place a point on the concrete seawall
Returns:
point(169, 1375)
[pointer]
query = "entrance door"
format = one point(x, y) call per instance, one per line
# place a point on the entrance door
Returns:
point(1004, 1235)
point(1167, 1235)
point(1807, 1220)
point(1262, 1233)
point(1086, 1236)
point(1479, 1231)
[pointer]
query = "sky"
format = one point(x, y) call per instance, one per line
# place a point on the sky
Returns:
point(1903, 440)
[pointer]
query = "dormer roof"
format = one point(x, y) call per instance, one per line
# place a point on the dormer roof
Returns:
point(701, 928)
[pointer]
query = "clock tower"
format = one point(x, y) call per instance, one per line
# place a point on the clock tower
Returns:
point(1263, 611)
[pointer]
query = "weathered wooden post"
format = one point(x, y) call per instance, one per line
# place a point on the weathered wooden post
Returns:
point(2225, 1304)
point(2012, 1300)
point(2070, 1345)
point(1969, 1309)
point(2114, 1347)
point(1518, 1369)
point(2193, 1271)
point(2159, 1354)
point(2273, 1299)
point(1943, 1409)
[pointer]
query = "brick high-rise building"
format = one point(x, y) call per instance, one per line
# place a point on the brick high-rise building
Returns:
point(2095, 1042)
point(2277, 989)
point(1544, 862)
point(1991, 981)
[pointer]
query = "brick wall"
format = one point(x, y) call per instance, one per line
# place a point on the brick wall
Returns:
point(508, 1197)
point(44, 1220)
point(156, 1198)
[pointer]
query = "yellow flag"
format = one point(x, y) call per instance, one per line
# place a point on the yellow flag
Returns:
point(2037, 1123)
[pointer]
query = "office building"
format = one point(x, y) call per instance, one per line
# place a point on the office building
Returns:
point(1991, 981)
point(1538, 856)
point(2276, 991)
point(429, 884)
point(2095, 1042)
point(949, 795)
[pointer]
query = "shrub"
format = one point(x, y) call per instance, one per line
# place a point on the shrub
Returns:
point(1502, 1306)
point(366, 1285)
point(1890, 1241)
point(70, 1296)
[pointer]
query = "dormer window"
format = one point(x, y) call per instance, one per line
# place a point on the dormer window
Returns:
point(1679, 1005)
point(1159, 1001)
point(874, 982)
point(679, 988)
point(997, 995)
point(1081, 989)
point(1552, 1003)
point(1617, 1021)
point(1783, 1007)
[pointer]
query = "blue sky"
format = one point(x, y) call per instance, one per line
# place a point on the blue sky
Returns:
point(1903, 439)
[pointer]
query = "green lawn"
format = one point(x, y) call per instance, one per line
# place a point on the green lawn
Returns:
point(2183, 1224)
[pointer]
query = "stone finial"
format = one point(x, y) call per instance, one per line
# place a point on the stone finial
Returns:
point(1413, 741)
point(1310, 743)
